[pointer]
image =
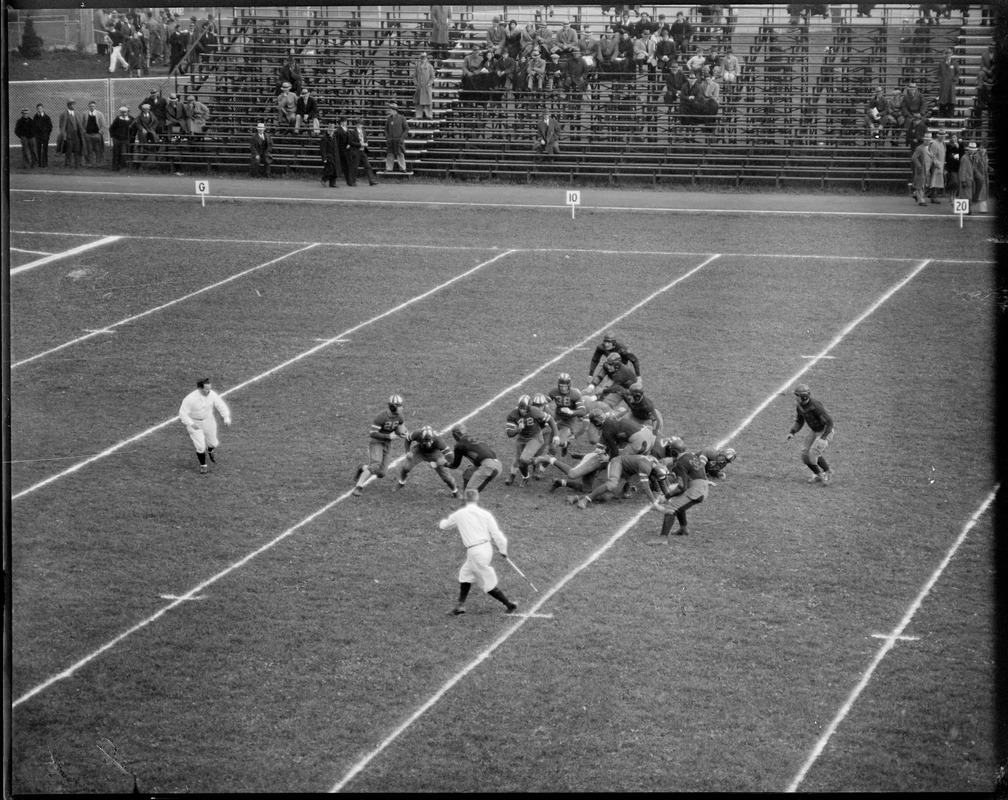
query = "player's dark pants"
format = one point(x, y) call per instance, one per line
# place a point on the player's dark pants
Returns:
point(675, 509)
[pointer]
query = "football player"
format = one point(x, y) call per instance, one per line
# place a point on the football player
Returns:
point(621, 435)
point(611, 345)
point(620, 376)
point(642, 408)
point(648, 469)
point(820, 425)
point(485, 465)
point(717, 460)
point(541, 402)
point(525, 425)
point(690, 489)
point(386, 426)
point(425, 445)
point(570, 411)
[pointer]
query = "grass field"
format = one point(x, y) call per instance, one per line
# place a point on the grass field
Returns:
point(258, 629)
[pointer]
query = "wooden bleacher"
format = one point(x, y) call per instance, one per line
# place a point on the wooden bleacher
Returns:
point(795, 118)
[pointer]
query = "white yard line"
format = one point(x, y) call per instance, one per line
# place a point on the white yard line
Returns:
point(30, 252)
point(319, 512)
point(65, 254)
point(890, 642)
point(119, 445)
point(950, 218)
point(484, 654)
point(92, 333)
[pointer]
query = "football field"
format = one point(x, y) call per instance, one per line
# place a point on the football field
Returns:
point(260, 629)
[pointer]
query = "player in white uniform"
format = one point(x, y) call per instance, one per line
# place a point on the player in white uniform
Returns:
point(478, 528)
point(197, 415)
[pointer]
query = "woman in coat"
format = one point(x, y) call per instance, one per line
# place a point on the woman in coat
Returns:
point(936, 178)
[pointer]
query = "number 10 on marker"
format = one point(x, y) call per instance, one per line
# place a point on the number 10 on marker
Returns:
point(573, 199)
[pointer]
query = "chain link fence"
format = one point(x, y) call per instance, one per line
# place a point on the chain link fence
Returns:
point(58, 29)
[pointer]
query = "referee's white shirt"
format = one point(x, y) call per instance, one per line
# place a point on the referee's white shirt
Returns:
point(476, 526)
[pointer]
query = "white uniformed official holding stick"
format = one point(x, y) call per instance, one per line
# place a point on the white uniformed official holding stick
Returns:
point(197, 415)
point(478, 529)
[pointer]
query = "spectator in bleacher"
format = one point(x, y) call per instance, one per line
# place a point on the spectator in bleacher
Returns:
point(544, 39)
point(158, 106)
point(70, 139)
point(196, 42)
point(566, 39)
point(513, 40)
point(176, 117)
point(645, 24)
point(358, 153)
point(396, 131)
point(640, 51)
point(24, 131)
point(536, 70)
point(576, 76)
point(913, 103)
point(953, 158)
point(474, 63)
point(608, 52)
point(917, 132)
point(547, 136)
point(877, 115)
point(495, 36)
point(197, 114)
point(554, 74)
point(329, 151)
point(95, 128)
point(506, 69)
point(286, 106)
point(210, 34)
point(675, 85)
point(260, 152)
point(121, 132)
point(623, 24)
point(41, 131)
point(896, 109)
point(625, 61)
point(423, 96)
point(528, 40)
point(589, 46)
point(440, 36)
point(343, 150)
point(682, 32)
point(936, 167)
point(710, 16)
point(178, 43)
point(307, 113)
point(730, 68)
point(696, 62)
point(948, 77)
point(290, 75)
point(665, 53)
point(148, 134)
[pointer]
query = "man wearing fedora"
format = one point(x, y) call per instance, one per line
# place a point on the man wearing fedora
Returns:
point(306, 112)
point(396, 130)
point(71, 135)
point(286, 106)
point(94, 135)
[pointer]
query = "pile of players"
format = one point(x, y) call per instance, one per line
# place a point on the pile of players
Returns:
point(620, 425)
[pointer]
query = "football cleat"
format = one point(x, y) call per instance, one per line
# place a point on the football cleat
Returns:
point(509, 480)
point(457, 611)
point(826, 475)
point(815, 479)
point(583, 502)
point(203, 469)
point(356, 491)
point(510, 608)
point(209, 452)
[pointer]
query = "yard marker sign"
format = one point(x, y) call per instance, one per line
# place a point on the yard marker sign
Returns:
point(960, 206)
point(573, 199)
point(203, 189)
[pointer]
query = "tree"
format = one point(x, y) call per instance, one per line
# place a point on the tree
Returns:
point(31, 42)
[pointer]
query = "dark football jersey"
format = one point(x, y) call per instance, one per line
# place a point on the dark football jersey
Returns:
point(473, 448)
point(386, 424)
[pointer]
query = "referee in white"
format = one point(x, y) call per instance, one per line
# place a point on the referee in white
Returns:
point(197, 415)
point(478, 528)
